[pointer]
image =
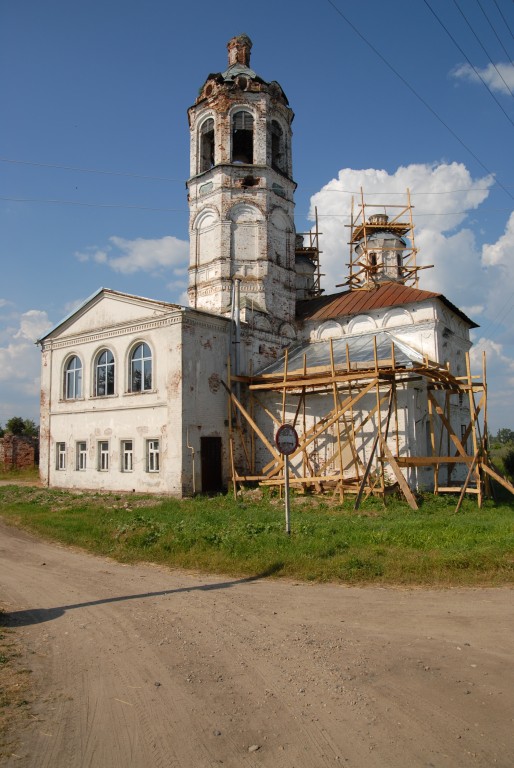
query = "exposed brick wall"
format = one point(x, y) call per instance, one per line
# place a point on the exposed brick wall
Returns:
point(17, 452)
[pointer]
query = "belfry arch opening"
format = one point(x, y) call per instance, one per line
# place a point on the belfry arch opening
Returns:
point(206, 145)
point(242, 138)
point(278, 155)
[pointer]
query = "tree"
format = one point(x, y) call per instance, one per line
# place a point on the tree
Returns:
point(508, 463)
point(505, 436)
point(18, 426)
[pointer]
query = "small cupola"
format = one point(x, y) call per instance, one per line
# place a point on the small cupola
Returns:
point(383, 249)
point(239, 49)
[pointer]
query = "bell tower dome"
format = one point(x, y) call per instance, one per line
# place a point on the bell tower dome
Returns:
point(240, 192)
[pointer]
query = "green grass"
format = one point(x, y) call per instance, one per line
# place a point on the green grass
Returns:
point(329, 542)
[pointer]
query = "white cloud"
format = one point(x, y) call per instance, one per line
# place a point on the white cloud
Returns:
point(150, 255)
point(33, 325)
point(499, 77)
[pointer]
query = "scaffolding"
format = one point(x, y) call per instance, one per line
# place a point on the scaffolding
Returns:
point(363, 451)
point(373, 259)
point(310, 248)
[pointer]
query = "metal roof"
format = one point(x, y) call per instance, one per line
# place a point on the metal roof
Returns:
point(390, 294)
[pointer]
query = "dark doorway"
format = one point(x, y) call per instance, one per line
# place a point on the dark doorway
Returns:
point(212, 481)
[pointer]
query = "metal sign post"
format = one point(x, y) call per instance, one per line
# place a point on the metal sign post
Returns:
point(286, 441)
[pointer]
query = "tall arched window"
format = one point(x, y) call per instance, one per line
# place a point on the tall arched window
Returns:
point(207, 145)
point(242, 138)
point(73, 379)
point(140, 369)
point(278, 154)
point(104, 374)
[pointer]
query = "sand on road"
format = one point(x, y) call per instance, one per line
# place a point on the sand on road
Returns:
point(146, 667)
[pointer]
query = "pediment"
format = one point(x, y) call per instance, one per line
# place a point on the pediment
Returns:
point(109, 309)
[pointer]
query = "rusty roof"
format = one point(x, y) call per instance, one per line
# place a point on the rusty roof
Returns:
point(355, 302)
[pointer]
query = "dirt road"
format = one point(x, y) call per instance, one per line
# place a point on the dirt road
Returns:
point(141, 667)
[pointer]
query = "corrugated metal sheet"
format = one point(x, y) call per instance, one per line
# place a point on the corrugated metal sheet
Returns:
point(360, 348)
point(355, 302)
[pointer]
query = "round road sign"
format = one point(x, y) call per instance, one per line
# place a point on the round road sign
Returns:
point(286, 439)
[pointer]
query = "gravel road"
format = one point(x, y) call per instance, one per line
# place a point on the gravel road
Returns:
point(145, 667)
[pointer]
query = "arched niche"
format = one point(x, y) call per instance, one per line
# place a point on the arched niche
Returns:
point(287, 331)
point(396, 317)
point(244, 232)
point(329, 330)
point(205, 226)
point(361, 323)
point(261, 323)
point(281, 232)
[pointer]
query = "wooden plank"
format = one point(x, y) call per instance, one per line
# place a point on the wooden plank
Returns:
point(411, 501)
point(373, 449)
point(498, 478)
point(448, 426)
point(427, 461)
point(466, 482)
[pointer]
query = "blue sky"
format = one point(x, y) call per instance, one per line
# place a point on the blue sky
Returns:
point(384, 99)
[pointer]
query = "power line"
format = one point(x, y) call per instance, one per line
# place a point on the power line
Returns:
point(418, 96)
point(484, 50)
point(91, 205)
point(475, 70)
point(88, 170)
point(504, 19)
point(51, 201)
point(507, 54)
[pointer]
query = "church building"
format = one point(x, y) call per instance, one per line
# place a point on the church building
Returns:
point(145, 395)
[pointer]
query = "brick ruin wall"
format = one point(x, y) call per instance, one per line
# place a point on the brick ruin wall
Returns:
point(17, 452)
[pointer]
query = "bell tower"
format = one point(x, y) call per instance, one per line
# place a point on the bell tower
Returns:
point(240, 192)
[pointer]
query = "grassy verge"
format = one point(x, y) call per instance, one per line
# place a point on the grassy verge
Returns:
point(329, 542)
point(29, 475)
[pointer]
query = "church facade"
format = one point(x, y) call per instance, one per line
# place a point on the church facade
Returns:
point(135, 392)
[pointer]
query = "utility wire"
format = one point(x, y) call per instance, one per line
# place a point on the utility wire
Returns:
point(486, 53)
point(504, 19)
point(91, 205)
point(87, 170)
point(507, 54)
point(475, 70)
point(418, 96)
point(51, 201)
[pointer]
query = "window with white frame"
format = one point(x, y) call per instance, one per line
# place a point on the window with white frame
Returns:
point(60, 456)
point(104, 374)
point(73, 379)
point(152, 455)
point(140, 372)
point(127, 456)
point(81, 456)
point(103, 456)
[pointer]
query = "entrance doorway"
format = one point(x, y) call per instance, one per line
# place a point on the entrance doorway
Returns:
point(212, 479)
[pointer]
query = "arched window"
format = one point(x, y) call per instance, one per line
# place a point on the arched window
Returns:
point(73, 379)
point(278, 155)
point(104, 374)
point(140, 374)
point(242, 138)
point(207, 145)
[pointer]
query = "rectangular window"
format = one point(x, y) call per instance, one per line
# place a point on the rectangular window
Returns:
point(152, 455)
point(463, 428)
point(103, 456)
point(81, 456)
point(127, 456)
point(60, 455)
